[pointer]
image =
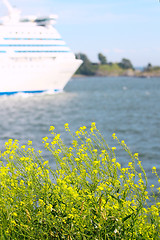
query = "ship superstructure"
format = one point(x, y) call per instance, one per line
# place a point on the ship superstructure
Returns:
point(33, 56)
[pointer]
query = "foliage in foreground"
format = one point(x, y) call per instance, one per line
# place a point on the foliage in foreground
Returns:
point(89, 196)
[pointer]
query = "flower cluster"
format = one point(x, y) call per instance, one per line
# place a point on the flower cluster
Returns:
point(88, 196)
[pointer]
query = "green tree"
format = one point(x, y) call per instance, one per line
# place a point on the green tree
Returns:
point(86, 68)
point(125, 64)
point(102, 58)
point(149, 67)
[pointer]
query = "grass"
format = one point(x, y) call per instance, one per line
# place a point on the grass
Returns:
point(112, 69)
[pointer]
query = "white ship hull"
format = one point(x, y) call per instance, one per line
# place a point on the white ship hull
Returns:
point(36, 76)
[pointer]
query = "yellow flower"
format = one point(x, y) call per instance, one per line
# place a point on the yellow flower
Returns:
point(95, 163)
point(100, 188)
point(114, 136)
point(136, 155)
point(14, 214)
point(51, 128)
point(93, 124)
point(123, 142)
point(113, 148)
point(49, 207)
point(46, 162)
point(77, 133)
point(29, 143)
point(71, 216)
point(88, 140)
point(118, 165)
point(45, 139)
point(66, 127)
point(95, 150)
point(41, 202)
point(93, 127)
point(74, 143)
point(153, 169)
point(130, 164)
point(46, 145)
point(13, 222)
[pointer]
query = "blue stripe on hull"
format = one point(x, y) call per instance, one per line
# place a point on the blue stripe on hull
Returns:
point(38, 91)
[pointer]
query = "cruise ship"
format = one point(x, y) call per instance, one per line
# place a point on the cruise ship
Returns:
point(33, 56)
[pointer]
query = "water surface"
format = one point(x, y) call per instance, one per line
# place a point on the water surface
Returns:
point(127, 106)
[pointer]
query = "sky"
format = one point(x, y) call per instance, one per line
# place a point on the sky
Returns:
point(116, 28)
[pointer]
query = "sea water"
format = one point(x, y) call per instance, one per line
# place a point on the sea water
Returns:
point(129, 107)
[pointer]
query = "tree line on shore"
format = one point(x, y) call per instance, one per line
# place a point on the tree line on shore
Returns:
point(90, 68)
point(104, 67)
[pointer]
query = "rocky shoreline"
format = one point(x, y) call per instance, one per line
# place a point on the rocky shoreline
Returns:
point(125, 73)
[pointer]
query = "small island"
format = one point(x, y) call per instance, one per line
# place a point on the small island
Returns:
point(105, 68)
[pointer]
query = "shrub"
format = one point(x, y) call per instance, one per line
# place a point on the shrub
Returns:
point(89, 196)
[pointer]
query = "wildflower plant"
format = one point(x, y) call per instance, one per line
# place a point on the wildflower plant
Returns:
point(89, 196)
